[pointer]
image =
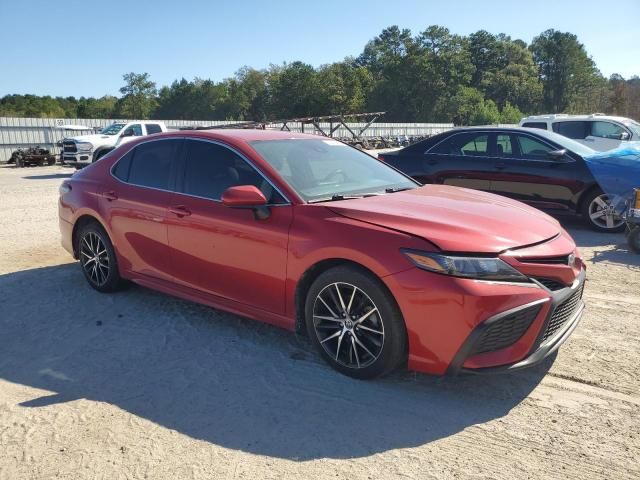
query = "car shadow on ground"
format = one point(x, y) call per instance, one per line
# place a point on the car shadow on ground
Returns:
point(49, 176)
point(615, 248)
point(222, 379)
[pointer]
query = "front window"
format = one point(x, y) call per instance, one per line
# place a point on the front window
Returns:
point(113, 129)
point(323, 169)
point(607, 130)
point(634, 127)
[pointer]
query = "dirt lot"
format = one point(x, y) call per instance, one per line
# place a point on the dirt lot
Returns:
point(142, 385)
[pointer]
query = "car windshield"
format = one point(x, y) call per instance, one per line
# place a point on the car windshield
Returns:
point(565, 142)
point(633, 126)
point(112, 129)
point(325, 169)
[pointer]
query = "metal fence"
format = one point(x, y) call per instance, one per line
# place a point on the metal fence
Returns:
point(46, 132)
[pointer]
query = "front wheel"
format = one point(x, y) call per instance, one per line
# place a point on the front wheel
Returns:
point(354, 323)
point(98, 259)
point(601, 214)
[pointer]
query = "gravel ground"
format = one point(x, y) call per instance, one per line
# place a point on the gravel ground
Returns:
point(142, 385)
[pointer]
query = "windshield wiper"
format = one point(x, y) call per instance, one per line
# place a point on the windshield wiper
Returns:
point(394, 190)
point(337, 198)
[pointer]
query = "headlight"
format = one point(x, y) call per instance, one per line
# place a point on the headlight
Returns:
point(480, 268)
point(84, 147)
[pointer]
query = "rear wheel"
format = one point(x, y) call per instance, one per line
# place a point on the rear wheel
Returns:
point(601, 214)
point(354, 323)
point(98, 259)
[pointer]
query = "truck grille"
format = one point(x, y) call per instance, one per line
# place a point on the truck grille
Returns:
point(563, 312)
point(506, 331)
point(69, 147)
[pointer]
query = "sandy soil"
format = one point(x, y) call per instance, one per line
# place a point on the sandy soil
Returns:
point(142, 385)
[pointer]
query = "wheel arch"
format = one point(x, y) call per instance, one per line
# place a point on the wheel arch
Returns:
point(585, 194)
point(313, 272)
point(81, 221)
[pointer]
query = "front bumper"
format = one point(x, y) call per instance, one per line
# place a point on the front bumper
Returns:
point(445, 317)
point(542, 348)
point(77, 159)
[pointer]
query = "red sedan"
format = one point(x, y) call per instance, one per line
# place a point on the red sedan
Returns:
point(304, 232)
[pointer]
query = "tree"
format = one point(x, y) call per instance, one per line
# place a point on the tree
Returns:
point(567, 73)
point(139, 93)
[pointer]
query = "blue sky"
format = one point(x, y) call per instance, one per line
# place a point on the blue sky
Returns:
point(84, 47)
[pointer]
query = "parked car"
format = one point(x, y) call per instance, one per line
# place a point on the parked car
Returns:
point(597, 131)
point(309, 233)
point(86, 149)
point(540, 168)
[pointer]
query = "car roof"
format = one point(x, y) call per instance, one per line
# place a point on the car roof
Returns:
point(240, 134)
point(565, 116)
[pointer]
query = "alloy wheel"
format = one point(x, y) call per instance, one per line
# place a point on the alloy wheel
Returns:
point(348, 325)
point(603, 211)
point(95, 258)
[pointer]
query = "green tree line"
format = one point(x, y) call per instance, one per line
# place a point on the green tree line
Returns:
point(432, 76)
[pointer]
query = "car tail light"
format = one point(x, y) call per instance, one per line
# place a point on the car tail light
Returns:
point(637, 199)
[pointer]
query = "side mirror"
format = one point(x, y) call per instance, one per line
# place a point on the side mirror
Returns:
point(624, 136)
point(558, 154)
point(127, 133)
point(247, 196)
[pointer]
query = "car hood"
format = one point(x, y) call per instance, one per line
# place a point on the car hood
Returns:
point(454, 219)
point(95, 139)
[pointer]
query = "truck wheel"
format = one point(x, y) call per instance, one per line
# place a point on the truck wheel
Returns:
point(100, 154)
point(51, 161)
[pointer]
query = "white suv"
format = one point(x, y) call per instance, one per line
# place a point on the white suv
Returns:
point(600, 132)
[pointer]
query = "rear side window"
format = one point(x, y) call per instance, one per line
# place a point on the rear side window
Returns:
point(121, 169)
point(503, 145)
point(540, 125)
point(575, 130)
point(153, 128)
point(475, 144)
point(151, 163)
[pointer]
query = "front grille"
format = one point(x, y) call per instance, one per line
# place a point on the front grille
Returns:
point(551, 284)
point(561, 260)
point(506, 331)
point(562, 313)
point(69, 147)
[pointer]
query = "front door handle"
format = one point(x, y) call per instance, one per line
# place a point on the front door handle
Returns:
point(180, 211)
point(500, 166)
point(110, 195)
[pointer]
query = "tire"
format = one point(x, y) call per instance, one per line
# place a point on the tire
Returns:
point(100, 154)
point(51, 161)
point(103, 276)
point(633, 238)
point(353, 341)
point(593, 205)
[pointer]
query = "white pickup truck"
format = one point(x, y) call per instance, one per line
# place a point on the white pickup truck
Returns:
point(83, 150)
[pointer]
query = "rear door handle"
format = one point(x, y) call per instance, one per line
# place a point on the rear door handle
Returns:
point(180, 211)
point(110, 195)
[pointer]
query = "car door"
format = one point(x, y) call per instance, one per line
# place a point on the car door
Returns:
point(461, 159)
point(526, 171)
point(606, 135)
point(135, 201)
point(226, 251)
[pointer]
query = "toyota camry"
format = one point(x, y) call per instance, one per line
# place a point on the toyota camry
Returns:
point(309, 234)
